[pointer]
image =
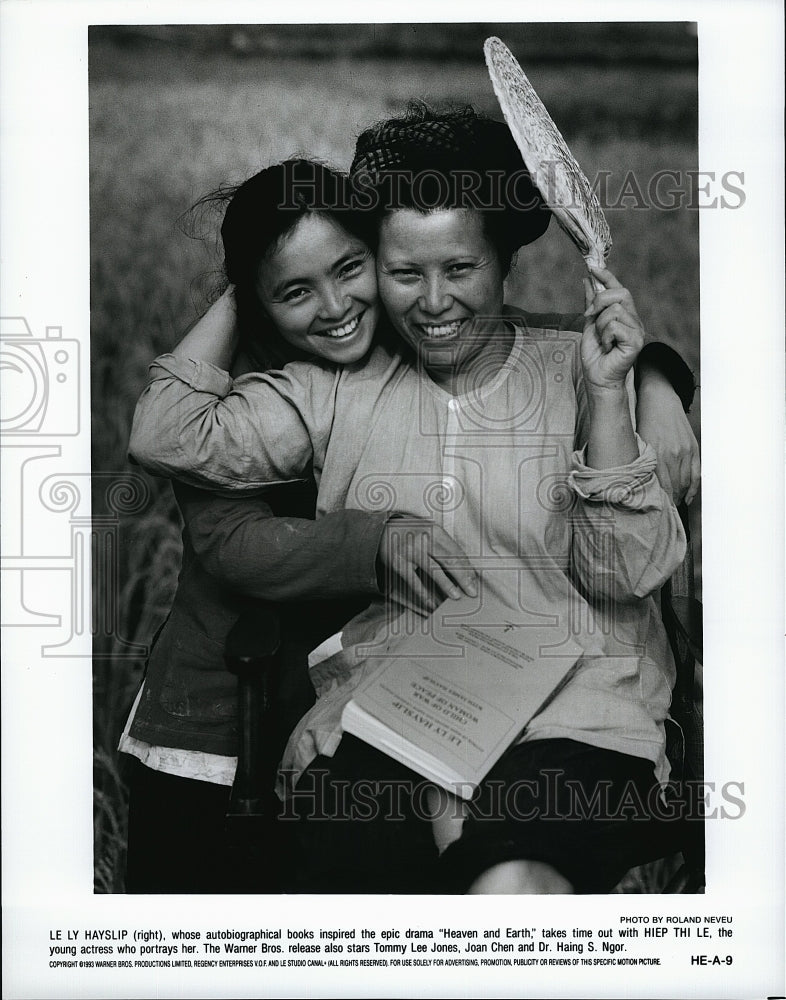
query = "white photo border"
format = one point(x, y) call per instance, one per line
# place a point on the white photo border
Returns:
point(47, 709)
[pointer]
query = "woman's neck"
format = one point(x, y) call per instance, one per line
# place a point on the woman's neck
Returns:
point(478, 359)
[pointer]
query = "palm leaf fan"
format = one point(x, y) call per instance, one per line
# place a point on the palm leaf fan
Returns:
point(553, 168)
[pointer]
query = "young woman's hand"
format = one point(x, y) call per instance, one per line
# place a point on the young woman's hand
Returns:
point(662, 422)
point(613, 333)
point(419, 564)
point(214, 337)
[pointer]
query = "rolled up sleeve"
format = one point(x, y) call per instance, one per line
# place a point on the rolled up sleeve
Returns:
point(627, 535)
point(195, 423)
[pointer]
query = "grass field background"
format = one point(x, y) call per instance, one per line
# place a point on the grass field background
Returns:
point(175, 116)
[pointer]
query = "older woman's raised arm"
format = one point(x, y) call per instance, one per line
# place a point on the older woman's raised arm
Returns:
point(665, 388)
point(627, 536)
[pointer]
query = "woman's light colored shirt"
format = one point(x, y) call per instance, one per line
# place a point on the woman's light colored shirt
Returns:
point(499, 465)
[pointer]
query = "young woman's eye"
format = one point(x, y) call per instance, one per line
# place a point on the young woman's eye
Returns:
point(404, 273)
point(351, 268)
point(295, 294)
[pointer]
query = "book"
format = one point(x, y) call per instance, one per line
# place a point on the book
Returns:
point(450, 698)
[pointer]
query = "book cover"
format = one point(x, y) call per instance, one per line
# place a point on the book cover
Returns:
point(449, 699)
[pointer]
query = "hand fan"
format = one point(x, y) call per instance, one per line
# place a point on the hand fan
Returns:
point(552, 166)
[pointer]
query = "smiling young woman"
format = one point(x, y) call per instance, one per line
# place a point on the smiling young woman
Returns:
point(303, 285)
point(319, 288)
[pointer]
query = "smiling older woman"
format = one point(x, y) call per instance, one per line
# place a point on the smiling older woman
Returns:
point(525, 429)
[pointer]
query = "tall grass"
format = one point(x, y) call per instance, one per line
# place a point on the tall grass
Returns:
point(150, 561)
point(167, 125)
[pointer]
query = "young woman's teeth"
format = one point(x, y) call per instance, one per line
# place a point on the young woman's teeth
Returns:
point(445, 330)
point(345, 330)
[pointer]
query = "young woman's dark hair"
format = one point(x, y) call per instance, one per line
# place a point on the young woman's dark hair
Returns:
point(259, 213)
point(457, 158)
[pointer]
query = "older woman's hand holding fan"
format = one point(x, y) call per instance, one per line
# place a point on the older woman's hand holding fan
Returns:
point(566, 190)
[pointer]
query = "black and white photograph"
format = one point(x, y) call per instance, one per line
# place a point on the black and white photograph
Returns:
point(374, 501)
point(428, 441)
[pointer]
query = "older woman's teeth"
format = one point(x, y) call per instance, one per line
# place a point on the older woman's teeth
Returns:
point(345, 330)
point(445, 330)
